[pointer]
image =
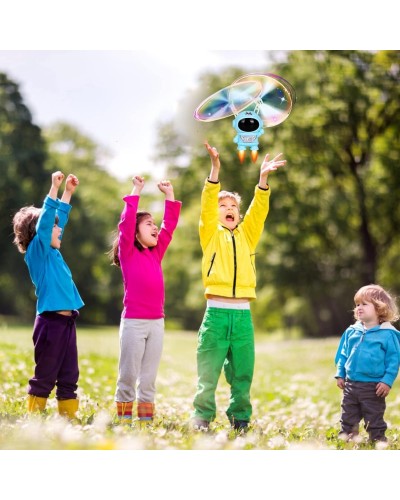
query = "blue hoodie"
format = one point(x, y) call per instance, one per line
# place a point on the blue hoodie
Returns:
point(54, 286)
point(369, 355)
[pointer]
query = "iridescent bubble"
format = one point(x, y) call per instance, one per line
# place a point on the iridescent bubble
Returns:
point(276, 100)
point(228, 101)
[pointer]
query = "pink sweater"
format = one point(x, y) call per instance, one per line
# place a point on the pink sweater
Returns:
point(142, 273)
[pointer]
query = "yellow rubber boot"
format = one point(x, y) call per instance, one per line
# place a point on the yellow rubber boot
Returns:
point(68, 407)
point(124, 412)
point(36, 403)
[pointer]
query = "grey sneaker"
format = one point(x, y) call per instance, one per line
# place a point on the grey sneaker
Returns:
point(200, 425)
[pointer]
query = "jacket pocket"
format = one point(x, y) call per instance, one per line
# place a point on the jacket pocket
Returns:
point(371, 365)
point(211, 263)
point(253, 262)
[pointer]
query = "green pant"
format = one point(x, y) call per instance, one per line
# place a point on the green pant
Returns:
point(225, 339)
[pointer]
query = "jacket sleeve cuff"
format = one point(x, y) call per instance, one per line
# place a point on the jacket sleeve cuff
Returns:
point(212, 182)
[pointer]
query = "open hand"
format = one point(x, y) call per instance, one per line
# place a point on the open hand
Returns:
point(214, 155)
point(268, 165)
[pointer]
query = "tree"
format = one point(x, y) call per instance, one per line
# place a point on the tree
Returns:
point(334, 214)
point(96, 207)
point(334, 220)
point(22, 159)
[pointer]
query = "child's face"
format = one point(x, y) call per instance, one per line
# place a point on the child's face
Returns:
point(228, 213)
point(55, 237)
point(147, 233)
point(366, 313)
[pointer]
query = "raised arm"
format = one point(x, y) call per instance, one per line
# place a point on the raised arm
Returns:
point(56, 180)
point(209, 199)
point(138, 185)
point(170, 219)
point(253, 222)
point(268, 166)
point(167, 188)
point(127, 224)
point(71, 184)
point(215, 163)
point(46, 221)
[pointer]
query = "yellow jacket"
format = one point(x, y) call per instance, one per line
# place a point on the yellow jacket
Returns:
point(228, 264)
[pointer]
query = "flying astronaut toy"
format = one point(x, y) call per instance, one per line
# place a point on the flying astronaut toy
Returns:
point(257, 101)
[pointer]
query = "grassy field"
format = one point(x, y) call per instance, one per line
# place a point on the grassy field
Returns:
point(296, 404)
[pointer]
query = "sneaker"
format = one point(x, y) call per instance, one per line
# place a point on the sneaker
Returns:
point(240, 425)
point(200, 425)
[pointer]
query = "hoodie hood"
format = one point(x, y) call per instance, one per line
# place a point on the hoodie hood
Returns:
point(358, 326)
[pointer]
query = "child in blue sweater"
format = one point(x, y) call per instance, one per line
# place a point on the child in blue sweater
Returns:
point(367, 362)
point(38, 234)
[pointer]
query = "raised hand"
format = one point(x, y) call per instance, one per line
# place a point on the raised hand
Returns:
point(71, 183)
point(268, 166)
point(56, 179)
point(138, 184)
point(214, 155)
point(215, 163)
point(166, 187)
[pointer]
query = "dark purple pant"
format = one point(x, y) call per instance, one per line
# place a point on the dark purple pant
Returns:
point(56, 356)
point(361, 402)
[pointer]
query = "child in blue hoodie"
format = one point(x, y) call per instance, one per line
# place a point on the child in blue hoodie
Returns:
point(38, 234)
point(367, 362)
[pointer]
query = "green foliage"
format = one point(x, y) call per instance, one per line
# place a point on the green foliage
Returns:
point(334, 214)
point(97, 204)
point(22, 156)
point(333, 221)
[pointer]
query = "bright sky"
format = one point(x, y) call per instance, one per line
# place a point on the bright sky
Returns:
point(117, 70)
point(115, 97)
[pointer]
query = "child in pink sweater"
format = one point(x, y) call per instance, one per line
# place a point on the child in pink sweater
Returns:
point(138, 250)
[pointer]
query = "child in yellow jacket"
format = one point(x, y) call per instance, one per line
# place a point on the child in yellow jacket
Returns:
point(226, 335)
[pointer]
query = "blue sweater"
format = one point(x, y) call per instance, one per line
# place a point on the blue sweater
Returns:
point(54, 287)
point(369, 355)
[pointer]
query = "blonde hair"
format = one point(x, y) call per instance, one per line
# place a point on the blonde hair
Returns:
point(384, 303)
point(229, 194)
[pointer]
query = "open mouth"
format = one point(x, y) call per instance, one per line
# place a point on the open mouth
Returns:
point(230, 218)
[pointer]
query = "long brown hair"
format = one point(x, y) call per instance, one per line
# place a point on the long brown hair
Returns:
point(113, 253)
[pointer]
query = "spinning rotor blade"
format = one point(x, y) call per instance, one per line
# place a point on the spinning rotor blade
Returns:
point(276, 99)
point(228, 101)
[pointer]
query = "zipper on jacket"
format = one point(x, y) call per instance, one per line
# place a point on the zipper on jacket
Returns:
point(363, 334)
point(211, 263)
point(357, 352)
point(234, 265)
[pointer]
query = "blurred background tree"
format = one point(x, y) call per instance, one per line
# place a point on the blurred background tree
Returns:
point(22, 175)
point(334, 215)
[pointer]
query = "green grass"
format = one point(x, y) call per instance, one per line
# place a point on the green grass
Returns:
point(296, 404)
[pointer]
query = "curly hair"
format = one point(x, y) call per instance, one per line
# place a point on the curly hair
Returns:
point(113, 253)
point(384, 303)
point(24, 225)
